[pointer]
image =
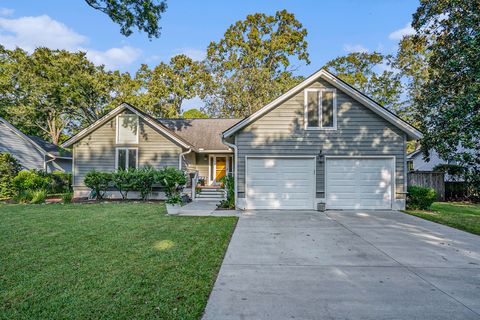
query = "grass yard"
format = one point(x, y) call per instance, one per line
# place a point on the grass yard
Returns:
point(463, 216)
point(109, 261)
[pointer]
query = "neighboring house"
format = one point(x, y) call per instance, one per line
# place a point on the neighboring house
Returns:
point(33, 152)
point(416, 162)
point(321, 142)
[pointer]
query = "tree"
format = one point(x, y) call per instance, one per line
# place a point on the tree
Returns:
point(194, 113)
point(166, 86)
point(363, 71)
point(142, 14)
point(449, 101)
point(44, 88)
point(54, 93)
point(411, 62)
point(253, 63)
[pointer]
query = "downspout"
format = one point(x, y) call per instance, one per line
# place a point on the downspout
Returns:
point(235, 180)
point(181, 157)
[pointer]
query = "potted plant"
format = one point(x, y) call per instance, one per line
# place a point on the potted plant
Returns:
point(173, 181)
point(174, 203)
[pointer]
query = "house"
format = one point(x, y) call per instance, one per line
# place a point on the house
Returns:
point(321, 142)
point(33, 152)
point(416, 162)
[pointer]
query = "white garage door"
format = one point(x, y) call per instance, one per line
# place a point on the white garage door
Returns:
point(359, 183)
point(280, 183)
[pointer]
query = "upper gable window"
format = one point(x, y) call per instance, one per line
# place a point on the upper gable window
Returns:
point(320, 109)
point(127, 128)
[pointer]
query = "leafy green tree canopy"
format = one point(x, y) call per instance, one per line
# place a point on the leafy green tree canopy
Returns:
point(371, 74)
point(253, 62)
point(165, 87)
point(142, 14)
point(194, 113)
point(449, 102)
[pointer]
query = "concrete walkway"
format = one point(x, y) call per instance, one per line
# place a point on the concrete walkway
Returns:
point(346, 265)
point(205, 208)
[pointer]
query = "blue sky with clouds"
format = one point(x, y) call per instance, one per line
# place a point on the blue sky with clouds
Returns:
point(334, 27)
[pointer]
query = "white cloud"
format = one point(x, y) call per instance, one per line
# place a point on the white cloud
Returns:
point(114, 58)
point(32, 32)
point(354, 48)
point(400, 33)
point(29, 33)
point(6, 12)
point(194, 54)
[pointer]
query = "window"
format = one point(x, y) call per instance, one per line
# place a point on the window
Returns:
point(320, 109)
point(126, 158)
point(127, 128)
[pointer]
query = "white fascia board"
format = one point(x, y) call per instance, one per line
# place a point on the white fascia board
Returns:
point(332, 79)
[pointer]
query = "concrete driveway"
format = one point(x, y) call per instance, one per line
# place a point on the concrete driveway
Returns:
point(346, 265)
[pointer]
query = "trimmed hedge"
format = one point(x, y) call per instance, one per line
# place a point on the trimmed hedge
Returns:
point(420, 198)
point(141, 180)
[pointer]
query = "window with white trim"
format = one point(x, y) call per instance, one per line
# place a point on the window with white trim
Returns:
point(320, 109)
point(127, 128)
point(126, 158)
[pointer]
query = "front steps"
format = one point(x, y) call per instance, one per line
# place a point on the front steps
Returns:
point(211, 194)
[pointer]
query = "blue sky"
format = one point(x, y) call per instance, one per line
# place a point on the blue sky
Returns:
point(335, 28)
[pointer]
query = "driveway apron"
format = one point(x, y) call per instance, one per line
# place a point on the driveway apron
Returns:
point(346, 265)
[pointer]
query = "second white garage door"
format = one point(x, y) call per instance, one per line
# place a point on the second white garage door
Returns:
point(359, 183)
point(280, 183)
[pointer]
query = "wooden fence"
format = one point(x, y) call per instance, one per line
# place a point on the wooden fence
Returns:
point(456, 190)
point(428, 179)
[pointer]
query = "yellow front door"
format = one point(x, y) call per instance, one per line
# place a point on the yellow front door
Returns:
point(220, 168)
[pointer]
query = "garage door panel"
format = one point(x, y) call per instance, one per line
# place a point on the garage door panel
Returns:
point(361, 183)
point(280, 183)
point(342, 189)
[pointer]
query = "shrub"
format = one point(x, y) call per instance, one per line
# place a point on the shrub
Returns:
point(31, 180)
point(124, 181)
point(144, 180)
point(67, 197)
point(420, 197)
point(229, 183)
point(9, 168)
point(173, 181)
point(23, 197)
point(38, 196)
point(61, 182)
point(98, 182)
point(174, 199)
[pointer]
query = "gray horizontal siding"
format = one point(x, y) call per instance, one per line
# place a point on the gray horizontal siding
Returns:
point(97, 150)
point(25, 152)
point(360, 132)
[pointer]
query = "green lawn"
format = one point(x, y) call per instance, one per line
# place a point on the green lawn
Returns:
point(463, 216)
point(109, 261)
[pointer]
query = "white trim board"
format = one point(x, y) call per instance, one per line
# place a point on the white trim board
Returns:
point(116, 111)
point(339, 84)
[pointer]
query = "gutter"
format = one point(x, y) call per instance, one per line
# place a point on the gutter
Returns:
point(235, 180)
point(181, 157)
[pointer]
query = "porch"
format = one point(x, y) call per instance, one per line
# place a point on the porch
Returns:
point(206, 171)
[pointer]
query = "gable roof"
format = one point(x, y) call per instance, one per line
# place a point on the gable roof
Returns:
point(45, 147)
point(339, 84)
point(50, 148)
point(125, 106)
point(203, 134)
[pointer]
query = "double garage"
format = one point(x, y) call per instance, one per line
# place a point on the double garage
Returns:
point(292, 182)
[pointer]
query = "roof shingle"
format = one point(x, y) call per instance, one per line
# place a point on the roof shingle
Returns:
point(201, 133)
